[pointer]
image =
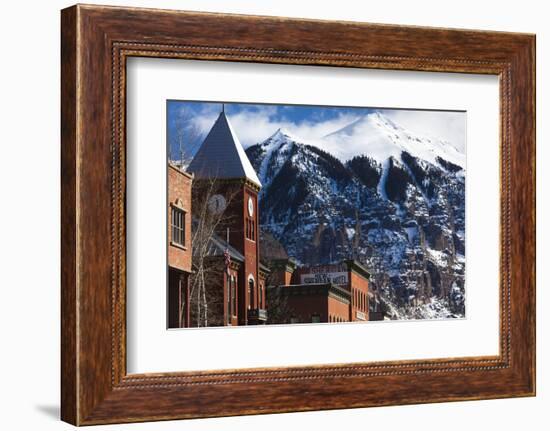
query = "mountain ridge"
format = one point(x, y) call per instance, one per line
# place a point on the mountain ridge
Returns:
point(401, 214)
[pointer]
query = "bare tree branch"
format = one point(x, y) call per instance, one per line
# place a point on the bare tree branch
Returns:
point(206, 290)
point(186, 138)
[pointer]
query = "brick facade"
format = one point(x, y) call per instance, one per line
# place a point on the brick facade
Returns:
point(179, 196)
point(282, 271)
point(321, 293)
point(313, 303)
point(239, 291)
point(358, 285)
point(179, 250)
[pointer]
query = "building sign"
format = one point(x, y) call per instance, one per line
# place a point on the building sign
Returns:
point(325, 277)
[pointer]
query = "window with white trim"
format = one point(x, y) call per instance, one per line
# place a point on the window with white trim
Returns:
point(178, 226)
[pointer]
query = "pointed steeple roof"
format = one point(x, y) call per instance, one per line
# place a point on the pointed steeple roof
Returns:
point(221, 155)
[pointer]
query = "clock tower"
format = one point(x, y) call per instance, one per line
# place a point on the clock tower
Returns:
point(222, 161)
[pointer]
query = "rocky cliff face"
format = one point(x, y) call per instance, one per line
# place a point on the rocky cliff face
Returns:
point(398, 207)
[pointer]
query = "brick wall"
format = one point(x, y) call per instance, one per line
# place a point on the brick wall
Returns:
point(250, 247)
point(179, 195)
point(338, 311)
point(359, 297)
point(303, 307)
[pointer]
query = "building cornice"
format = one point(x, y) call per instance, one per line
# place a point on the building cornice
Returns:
point(264, 270)
point(358, 268)
point(320, 289)
point(180, 171)
point(288, 264)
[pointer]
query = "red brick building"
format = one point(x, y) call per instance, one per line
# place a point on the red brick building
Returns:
point(225, 188)
point(320, 293)
point(225, 280)
point(311, 303)
point(222, 168)
point(179, 246)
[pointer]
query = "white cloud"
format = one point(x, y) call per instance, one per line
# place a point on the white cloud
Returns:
point(257, 124)
point(450, 126)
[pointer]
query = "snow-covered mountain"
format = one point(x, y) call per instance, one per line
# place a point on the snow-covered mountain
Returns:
point(380, 138)
point(397, 206)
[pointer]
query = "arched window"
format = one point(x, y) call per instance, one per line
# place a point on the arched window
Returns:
point(233, 295)
point(250, 291)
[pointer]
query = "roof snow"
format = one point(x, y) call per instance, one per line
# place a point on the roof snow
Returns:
point(221, 155)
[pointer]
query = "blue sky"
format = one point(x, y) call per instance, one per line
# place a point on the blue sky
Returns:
point(189, 122)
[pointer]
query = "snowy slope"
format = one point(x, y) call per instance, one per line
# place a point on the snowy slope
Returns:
point(280, 143)
point(380, 138)
point(397, 205)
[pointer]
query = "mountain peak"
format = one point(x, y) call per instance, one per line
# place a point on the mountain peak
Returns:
point(280, 134)
point(378, 137)
point(373, 134)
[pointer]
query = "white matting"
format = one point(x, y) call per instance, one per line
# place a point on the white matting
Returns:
point(152, 348)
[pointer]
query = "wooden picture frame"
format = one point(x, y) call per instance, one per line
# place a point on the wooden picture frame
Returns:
point(95, 42)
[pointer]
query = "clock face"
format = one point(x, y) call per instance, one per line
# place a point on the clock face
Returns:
point(217, 204)
point(250, 207)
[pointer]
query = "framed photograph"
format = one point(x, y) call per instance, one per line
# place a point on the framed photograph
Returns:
point(363, 223)
point(267, 215)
